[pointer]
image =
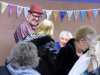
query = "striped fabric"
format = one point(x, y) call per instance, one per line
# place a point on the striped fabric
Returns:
point(23, 30)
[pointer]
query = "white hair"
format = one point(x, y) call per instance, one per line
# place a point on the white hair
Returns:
point(65, 33)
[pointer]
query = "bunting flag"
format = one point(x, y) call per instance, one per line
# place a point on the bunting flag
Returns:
point(83, 14)
point(55, 15)
point(19, 10)
point(95, 12)
point(11, 9)
point(48, 12)
point(26, 11)
point(90, 13)
point(76, 14)
point(62, 15)
point(3, 7)
point(69, 14)
point(44, 14)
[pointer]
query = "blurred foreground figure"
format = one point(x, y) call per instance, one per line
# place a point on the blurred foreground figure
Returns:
point(22, 61)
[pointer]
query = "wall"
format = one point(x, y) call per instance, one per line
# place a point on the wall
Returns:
point(8, 23)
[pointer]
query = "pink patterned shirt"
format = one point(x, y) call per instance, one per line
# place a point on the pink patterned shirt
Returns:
point(23, 30)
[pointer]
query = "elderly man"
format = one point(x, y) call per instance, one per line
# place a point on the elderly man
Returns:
point(28, 26)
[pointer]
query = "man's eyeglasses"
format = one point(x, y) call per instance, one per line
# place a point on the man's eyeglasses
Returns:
point(36, 16)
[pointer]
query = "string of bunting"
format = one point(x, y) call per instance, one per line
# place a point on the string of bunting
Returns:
point(55, 13)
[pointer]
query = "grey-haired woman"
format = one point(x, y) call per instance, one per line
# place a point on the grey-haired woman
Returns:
point(23, 60)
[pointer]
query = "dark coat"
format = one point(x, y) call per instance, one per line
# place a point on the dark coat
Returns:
point(4, 71)
point(45, 45)
point(66, 58)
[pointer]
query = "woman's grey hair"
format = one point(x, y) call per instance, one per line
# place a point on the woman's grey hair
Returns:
point(84, 31)
point(66, 33)
point(24, 54)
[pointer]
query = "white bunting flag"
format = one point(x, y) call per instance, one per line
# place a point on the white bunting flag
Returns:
point(19, 10)
point(3, 6)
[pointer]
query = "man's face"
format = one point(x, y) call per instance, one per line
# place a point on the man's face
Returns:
point(34, 19)
point(64, 40)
